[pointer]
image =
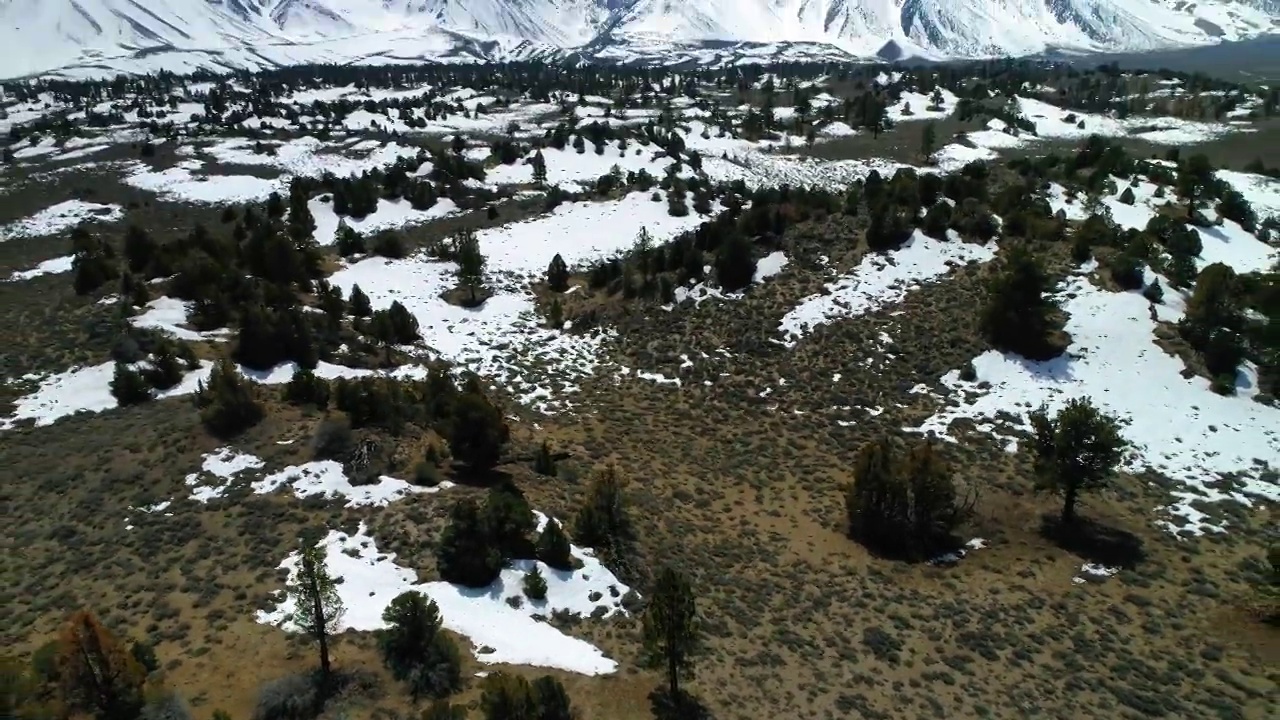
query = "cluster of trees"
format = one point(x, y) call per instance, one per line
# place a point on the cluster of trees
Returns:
point(473, 426)
point(482, 538)
point(88, 671)
point(903, 505)
point(1019, 313)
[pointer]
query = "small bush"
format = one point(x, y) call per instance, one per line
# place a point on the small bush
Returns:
point(145, 654)
point(167, 706)
point(1153, 292)
point(426, 474)
point(333, 439)
point(535, 585)
point(293, 697)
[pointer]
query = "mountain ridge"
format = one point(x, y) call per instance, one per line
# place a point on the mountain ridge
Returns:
point(105, 37)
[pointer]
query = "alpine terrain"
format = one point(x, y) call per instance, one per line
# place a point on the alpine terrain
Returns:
point(105, 37)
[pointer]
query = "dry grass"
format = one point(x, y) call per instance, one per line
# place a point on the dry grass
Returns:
point(739, 487)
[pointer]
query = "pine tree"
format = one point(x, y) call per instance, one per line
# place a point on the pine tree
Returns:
point(534, 584)
point(442, 710)
point(95, 672)
point(544, 463)
point(318, 607)
point(539, 164)
point(415, 649)
point(129, 387)
point(735, 263)
point(1077, 450)
point(359, 302)
point(467, 553)
point(139, 249)
point(507, 697)
point(558, 275)
point(672, 630)
point(166, 368)
point(1214, 320)
point(1016, 317)
point(928, 140)
point(227, 402)
point(553, 546)
point(603, 523)
point(552, 700)
point(478, 431)
point(349, 242)
point(471, 261)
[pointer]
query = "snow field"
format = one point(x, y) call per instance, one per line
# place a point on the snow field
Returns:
point(1178, 426)
point(879, 280)
point(61, 217)
point(500, 632)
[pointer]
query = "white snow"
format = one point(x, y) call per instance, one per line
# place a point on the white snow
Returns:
point(82, 389)
point(1262, 192)
point(326, 478)
point(770, 265)
point(389, 215)
point(1178, 426)
point(881, 280)
point(169, 315)
point(510, 635)
point(225, 464)
point(505, 338)
point(52, 266)
point(181, 184)
point(63, 216)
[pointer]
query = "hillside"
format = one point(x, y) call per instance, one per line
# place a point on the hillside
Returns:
point(527, 360)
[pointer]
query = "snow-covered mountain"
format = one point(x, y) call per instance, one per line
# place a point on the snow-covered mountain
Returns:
point(94, 37)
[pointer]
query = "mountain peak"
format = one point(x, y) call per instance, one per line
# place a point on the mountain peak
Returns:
point(81, 37)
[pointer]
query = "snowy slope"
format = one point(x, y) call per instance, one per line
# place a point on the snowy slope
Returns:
point(107, 36)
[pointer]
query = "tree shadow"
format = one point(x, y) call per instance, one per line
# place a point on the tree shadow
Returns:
point(684, 707)
point(484, 478)
point(1094, 541)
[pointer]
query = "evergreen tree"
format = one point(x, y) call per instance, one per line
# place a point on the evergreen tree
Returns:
point(539, 164)
point(306, 388)
point(416, 650)
point(166, 368)
point(928, 140)
point(534, 584)
point(552, 700)
point(1214, 320)
point(1016, 317)
point(139, 249)
point(544, 463)
point(505, 696)
point(603, 523)
point(553, 546)
point(441, 710)
point(558, 275)
point(672, 630)
point(359, 302)
point(318, 607)
point(509, 520)
point(349, 241)
point(477, 432)
point(735, 263)
point(905, 507)
point(227, 402)
point(129, 387)
point(1077, 450)
point(94, 262)
point(467, 553)
point(95, 672)
point(471, 262)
